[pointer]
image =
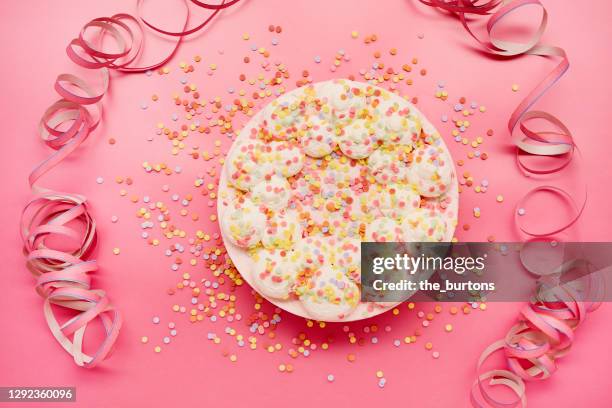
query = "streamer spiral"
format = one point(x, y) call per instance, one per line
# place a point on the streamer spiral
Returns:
point(57, 228)
point(545, 330)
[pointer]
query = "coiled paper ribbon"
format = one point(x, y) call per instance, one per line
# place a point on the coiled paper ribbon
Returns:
point(546, 328)
point(51, 218)
point(543, 334)
point(558, 143)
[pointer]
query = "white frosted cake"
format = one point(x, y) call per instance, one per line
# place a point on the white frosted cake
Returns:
point(320, 170)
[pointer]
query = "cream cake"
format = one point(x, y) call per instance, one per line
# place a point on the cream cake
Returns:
point(320, 170)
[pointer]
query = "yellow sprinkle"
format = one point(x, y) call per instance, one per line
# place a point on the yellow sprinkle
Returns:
point(515, 88)
point(380, 374)
point(448, 327)
point(157, 349)
point(116, 251)
point(354, 34)
point(500, 198)
point(144, 339)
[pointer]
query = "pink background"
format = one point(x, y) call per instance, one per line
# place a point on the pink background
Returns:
point(191, 370)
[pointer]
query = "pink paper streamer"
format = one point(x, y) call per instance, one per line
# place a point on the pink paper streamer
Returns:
point(546, 329)
point(63, 275)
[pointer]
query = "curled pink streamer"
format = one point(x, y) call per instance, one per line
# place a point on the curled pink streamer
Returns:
point(558, 143)
point(63, 275)
point(546, 329)
point(543, 334)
